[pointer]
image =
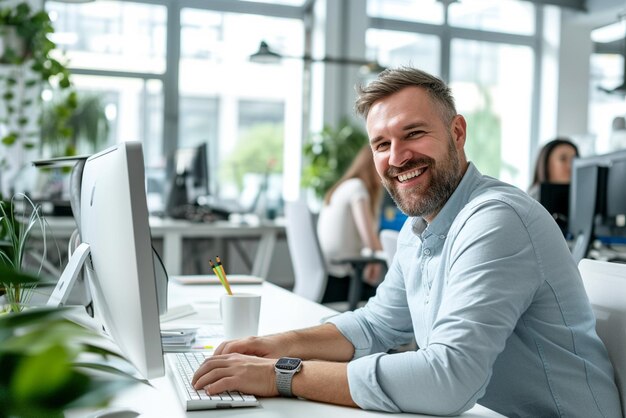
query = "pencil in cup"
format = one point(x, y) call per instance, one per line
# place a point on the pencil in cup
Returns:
point(221, 275)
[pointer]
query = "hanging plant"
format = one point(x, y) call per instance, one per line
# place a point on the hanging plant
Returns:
point(27, 63)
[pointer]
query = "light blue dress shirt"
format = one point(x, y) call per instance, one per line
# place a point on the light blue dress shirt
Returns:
point(496, 305)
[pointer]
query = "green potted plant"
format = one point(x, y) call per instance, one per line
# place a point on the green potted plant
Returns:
point(50, 364)
point(14, 234)
point(329, 154)
point(27, 63)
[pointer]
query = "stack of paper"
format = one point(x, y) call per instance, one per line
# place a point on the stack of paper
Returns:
point(178, 339)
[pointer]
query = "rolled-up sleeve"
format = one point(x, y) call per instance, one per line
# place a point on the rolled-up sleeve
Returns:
point(487, 281)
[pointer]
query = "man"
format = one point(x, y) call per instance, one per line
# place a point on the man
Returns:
point(482, 279)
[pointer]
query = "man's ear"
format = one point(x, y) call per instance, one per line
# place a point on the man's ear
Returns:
point(458, 131)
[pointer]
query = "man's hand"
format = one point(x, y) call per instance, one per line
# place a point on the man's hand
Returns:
point(273, 346)
point(247, 374)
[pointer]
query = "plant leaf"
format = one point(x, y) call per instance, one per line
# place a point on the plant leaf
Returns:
point(40, 375)
point(29, 317)
point(110, 370)
point(39, 337)
point(10, 276)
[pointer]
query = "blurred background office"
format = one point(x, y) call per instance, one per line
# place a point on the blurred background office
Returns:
point(178, 74)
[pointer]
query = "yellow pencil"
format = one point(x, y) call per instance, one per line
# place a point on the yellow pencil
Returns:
point(218, 273)
point(221, 267)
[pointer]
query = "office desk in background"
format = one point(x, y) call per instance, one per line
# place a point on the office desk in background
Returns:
point(281, 310)
point(174, 231)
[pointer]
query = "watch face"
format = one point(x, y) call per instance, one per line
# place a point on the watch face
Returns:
point(288, 363)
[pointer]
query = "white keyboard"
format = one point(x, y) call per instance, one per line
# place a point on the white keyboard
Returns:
point(182, 367)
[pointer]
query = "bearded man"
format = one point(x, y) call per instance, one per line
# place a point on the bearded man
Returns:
point(482, 280)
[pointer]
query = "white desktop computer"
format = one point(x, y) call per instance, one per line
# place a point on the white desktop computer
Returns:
point(116, 253)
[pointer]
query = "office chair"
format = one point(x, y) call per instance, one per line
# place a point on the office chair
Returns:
point(605, 284)
point(306, 256)
point(389, 241)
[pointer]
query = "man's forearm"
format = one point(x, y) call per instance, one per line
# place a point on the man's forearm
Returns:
point(323, 381)
point(323, 342)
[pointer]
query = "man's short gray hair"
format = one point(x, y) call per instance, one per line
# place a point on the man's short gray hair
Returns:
point(392, 80)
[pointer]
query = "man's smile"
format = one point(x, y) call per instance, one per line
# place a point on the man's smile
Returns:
point(411, 174)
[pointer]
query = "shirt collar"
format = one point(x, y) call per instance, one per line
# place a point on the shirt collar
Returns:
point(457, 201)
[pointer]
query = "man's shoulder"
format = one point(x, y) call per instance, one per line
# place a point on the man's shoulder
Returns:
point(499, 192)
point(491, 196)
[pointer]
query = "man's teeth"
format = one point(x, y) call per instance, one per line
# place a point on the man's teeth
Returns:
point(410, 175)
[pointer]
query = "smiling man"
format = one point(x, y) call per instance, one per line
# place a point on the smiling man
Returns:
point(482, 280)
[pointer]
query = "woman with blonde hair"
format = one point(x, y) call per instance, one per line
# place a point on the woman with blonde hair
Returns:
point(348, 222)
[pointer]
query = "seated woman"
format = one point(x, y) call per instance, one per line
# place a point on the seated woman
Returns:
point(348, 224)
point(554, 164)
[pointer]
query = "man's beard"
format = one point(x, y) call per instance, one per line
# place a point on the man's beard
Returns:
point(444, 177)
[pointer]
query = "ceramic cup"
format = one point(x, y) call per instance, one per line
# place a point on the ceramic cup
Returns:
point(240, 314)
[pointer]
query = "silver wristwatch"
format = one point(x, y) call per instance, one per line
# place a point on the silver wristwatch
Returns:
point(285, 368)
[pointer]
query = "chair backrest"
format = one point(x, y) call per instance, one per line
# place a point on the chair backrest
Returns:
point(306, 256)
point(605, 284)
point(389, 241)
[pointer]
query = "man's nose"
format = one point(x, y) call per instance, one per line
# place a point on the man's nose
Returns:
point(399, 154)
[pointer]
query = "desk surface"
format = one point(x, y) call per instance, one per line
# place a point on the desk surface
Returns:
point(161, 400)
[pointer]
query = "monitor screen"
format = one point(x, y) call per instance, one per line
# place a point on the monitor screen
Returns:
point(555, 198)
point(615, 187)
point(190, 181)
point(121, 276)
point(585, 189)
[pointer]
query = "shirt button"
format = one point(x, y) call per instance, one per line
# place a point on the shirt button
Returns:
point(427, 251)
point(442, 237)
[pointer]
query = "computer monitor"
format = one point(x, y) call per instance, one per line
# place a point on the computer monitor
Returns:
point(615, 190)
point(190, 181)
point(116, 251)
point(586, 201)
point(555, 198)
point(199, 170)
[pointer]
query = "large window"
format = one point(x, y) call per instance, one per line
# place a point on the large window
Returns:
point(392, 49)
point(509, 16)
point(427, 11)
point(493, 91)
point(177, 74)
point(122, 51)
point(246, 121)
point(117, 51)
point(607, 108)
point(485, 50)
point(111, 35)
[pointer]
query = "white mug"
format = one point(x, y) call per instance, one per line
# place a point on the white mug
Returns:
point(240, 314)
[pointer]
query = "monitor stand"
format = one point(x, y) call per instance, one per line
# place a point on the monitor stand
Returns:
point(68, 278)
point(70, 274)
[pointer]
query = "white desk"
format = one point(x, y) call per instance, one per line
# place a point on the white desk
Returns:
point(173, 231)
point(280, 311)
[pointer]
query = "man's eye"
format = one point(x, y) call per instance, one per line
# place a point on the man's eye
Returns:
point(415, 133)
point(382, 146)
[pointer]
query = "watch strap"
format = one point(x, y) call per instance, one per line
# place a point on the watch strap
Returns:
point(283, 383)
